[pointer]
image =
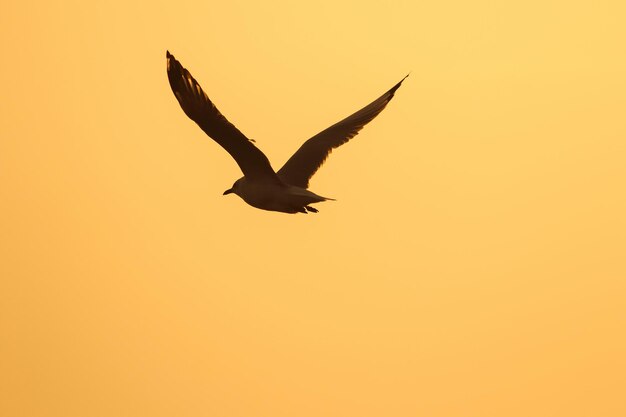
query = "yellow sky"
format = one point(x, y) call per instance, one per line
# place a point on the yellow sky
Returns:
point(473, 264)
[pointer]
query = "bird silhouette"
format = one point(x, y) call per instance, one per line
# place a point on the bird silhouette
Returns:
point(261, 187)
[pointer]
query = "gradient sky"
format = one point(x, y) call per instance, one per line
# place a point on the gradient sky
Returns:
point(473, 263)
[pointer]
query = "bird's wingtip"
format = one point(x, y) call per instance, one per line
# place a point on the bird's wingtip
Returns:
point(168, 58)
point(395, 87)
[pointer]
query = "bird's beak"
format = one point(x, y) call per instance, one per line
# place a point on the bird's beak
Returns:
point(229, 191)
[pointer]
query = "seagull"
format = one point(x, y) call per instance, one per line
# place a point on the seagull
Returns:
point(285, 190)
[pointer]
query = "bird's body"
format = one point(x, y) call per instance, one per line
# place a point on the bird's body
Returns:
point(276, 196)
point(284, 190)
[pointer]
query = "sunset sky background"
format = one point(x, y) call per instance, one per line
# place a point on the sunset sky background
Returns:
point(473, 263)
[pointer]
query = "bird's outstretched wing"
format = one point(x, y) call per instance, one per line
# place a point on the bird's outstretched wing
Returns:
point(299, 169)
point(197, 105)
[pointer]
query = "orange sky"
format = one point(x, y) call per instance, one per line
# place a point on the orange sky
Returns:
point(472, 265)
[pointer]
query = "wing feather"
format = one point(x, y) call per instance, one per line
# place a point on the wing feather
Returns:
point(199, 108)
point(299, 169)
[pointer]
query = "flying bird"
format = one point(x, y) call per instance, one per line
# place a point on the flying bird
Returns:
point(287, 189)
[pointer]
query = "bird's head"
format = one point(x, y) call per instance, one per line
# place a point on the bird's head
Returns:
point(234, 188)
